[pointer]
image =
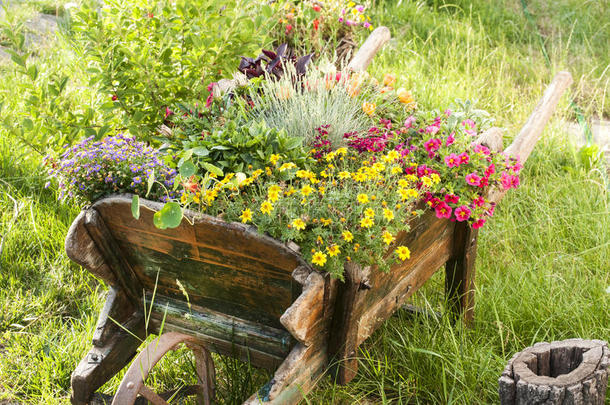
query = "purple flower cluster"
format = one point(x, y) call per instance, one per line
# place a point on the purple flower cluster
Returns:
point(117, 164)
point(321, 144)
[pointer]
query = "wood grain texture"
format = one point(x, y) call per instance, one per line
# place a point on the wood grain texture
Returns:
point(369, 49)
point(492, 138)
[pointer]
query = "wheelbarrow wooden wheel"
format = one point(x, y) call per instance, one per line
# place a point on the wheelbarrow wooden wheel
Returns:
point(133, 385)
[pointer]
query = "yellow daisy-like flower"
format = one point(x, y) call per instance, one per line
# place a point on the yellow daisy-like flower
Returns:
point(322, 190)
point(379, 166)
point(412, 193)
point(266, 207)
point(290, 192)
point(274, 193)
point(403, 183)
point(362, 198)
point(246, 215)
point(356, 247)
point(319, 259)
point(427, 181)
point(183, 198)
point(404, 195)
point(435, 178)
point(347, 236)
point(369, 213)
point(287, 166)
point(324, 174)
point(360, 177)
point(404, 96)
point(366, 222)
point(306, 190)
point(403, 253)
point(333, 250)
point(387, 237)
point(411, 177)
point(388, 214)
point(389, 79)
point(268, 171)
point(391, 156)
point(341, 151)
point(298, 224)
point(326, 221)
point(344, 175)
point(396, 170)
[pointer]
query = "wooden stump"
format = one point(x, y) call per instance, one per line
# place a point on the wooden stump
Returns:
point(569, 372)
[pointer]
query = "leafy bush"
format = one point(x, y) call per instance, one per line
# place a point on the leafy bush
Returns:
point(147, 57)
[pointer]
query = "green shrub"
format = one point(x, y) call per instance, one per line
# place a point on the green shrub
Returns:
point(147, 57)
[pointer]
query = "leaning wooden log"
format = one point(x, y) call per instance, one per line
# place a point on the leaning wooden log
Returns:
point(362, 59)
point(569, 372)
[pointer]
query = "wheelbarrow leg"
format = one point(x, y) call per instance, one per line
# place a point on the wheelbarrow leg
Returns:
point(113, 347)
point(459, 273)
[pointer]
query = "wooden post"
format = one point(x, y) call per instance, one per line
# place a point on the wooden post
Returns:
point(367, 51)
point(460, 271)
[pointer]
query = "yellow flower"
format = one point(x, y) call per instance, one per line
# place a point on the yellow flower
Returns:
point(369, 108)
point(274, 158)
point(369, 213)
point(322, 190)
point(287, 166)
point(319, 259)
point(183, 198)
point(366, 222)
point(326, 222)
point(411, 177)
point(388, 214)
point(274, 193)
point(363, 198)
point(290, 192)
point(427, 181)
point(268, 171)
point(341, 151)
point(333, 250)
point(246, 215)
point(348, 236)
point(266, 207)
point(403, 253)
point(396, 170)
point(388, 238)
point(389, 79)
point(356, 247)
point(391, 156)
point(435, 178)
point(360, 177)
point(404, 195)
point(298, 224)
point(344, 175)
point(403, 183)
point(411, 192)
point(404, 96)
point(306, 190)
point(379, 166)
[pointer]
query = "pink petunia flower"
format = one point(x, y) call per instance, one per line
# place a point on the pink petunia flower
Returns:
point(452, 198)
point(469, 127)
point(462, 213)
point(482, 149)
point(443, 210)
point(464, 158)
point(479, 201)
point(478, 223)
point(450, 139)
point(473, 179)
point(452, 160)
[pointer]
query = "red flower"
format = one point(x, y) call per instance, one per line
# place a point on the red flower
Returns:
point(114, 97)
point(443, 210)
point(316, 23)
point(462, 213)
point(288, 28)
point(316, 8)
point(191, 186)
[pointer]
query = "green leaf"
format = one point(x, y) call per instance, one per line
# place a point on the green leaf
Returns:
point(201, 151)
point(293, 143)
point(169, 216)
point(27, 124)
point(151, 181)
point(211, 168)
point(135, 206)
point(187, 169)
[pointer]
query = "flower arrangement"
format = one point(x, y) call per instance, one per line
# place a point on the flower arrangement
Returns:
point(337, 162)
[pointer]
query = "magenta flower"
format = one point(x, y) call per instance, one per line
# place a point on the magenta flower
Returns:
point(443, 210)
point(452, 160)
point(432, 129)
point(473, 179)
point(452, 198)
point(462, 213)
point(482, 149)
point(478, 223)
point(491, 169)
point(450, 139)
point(464, 158)
point(432, 145)
point(409, 122)
point(360, 8)
point(447, 112)
point(469, 127)
point(479, 201)
point(168, 112)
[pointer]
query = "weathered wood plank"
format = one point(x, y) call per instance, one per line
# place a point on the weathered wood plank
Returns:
point(460, 272)
point(102, 363)
point(362, 59)
point(297, 375)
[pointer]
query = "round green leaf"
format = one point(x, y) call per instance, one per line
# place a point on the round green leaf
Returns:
point(169, 216)
point(187, 169)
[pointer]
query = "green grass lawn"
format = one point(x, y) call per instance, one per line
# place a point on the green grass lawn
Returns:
point(543, 266)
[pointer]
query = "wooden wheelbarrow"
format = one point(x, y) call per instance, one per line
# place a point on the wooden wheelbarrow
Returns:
point(222, 287)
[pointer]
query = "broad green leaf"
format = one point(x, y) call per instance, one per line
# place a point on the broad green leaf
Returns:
point(27, 124)
point(293, 143)
point(135, 206)
point(151, 181)
point(169, 216)
point(201, 151)
point(211, 168)
point(187, 169)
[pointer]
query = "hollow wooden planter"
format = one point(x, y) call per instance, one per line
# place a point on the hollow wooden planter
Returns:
point(247, 295)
